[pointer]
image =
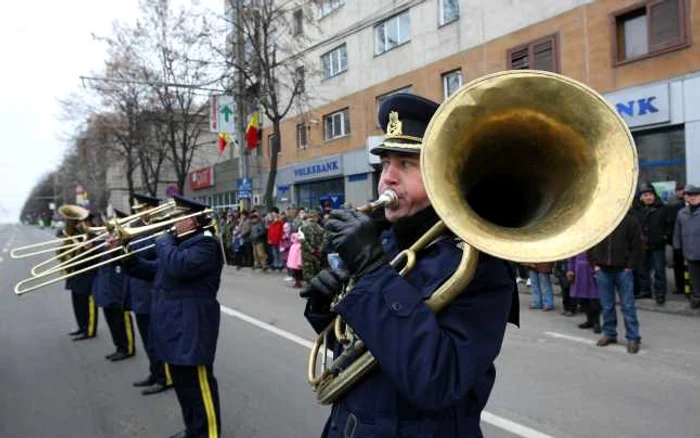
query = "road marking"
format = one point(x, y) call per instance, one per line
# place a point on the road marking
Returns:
point(1, 259)
point(618, 348)
point(570, 338)
point(487, 417)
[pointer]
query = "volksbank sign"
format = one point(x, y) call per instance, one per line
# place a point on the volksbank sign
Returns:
point(327, 167)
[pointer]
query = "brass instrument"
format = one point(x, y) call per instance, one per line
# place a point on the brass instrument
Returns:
point(88, 245)
point(555, 148)
point(127, 236)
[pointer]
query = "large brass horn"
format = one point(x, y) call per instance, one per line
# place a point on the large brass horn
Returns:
point(527, 166)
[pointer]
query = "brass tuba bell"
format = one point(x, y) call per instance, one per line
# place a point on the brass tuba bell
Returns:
point(528, 166)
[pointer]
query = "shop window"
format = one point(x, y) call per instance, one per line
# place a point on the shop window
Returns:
point(451, 82)
point(298, 22)
point(383, 97)
point(336, 125)
point(661, 154)
point(449, 11)
point(542, 54)
point(650, 29)
point(335, 61)
point(325, 7)
point(392, 33)
point(302, 136)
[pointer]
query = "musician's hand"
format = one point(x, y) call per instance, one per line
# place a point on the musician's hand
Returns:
point(185, 225)
point(325, 286)
point(355, 238)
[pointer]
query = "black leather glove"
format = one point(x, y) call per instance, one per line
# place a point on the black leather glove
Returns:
point(356, 239)
point(325, 286)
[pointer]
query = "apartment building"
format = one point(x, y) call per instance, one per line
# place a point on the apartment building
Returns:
point(639, 54)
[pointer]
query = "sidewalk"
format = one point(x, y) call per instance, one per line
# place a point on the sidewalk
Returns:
point(675, 304)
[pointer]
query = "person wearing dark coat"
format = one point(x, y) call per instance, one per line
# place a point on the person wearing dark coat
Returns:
point(686, 238)
point(137, 298)
point(657, 230)
point(680, 268)
point(435, 371)
point(185, 316)
point(77, 220)
point(613, 260)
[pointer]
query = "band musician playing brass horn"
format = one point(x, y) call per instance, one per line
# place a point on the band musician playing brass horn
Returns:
point(435, 371)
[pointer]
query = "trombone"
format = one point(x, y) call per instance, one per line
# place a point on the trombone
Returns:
point(128, 236)
point(103, 233)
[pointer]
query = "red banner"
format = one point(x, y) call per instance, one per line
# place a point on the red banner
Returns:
point(201, 178)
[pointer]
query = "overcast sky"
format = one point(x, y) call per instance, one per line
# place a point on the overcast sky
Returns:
point(45, 45)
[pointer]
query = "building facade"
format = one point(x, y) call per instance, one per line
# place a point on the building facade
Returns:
point(639, 54)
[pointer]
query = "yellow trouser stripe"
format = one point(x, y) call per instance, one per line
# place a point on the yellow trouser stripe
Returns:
point(92, 316)
point(168, 378)
point(208, 401)
point(129, 333)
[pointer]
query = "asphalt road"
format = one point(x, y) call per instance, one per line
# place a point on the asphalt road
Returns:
point(553, 381)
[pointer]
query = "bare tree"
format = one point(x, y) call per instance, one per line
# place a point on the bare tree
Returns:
point(264, 52)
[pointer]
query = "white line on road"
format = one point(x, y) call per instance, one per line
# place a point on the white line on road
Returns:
point(1, 259)
point(500, 422)
point(619, 348)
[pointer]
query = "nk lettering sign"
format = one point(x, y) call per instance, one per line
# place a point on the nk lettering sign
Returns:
point(319, 169)
point(643, 106)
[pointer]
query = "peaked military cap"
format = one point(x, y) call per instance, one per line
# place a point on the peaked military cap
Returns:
point(189, 204)
point(404, 117)
point(119, 214)
point(692, 190)
point(145, 201)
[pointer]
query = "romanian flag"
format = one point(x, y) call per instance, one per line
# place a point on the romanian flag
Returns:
point(223, 141)
point(252, 132)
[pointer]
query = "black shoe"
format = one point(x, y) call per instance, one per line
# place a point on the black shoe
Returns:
point(182, 434)
point(82, 337)
point(586, 325)
point(660, 301)
point(110, 356)
point(633, 347)
point(695, 304)
point(120, 355)
point(155, 389)
point(644, 296)
point(145, 382)
point(605, 341)
point(596, 328)
point(76, 332)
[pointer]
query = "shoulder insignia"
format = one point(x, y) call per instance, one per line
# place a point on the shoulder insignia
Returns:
point(459, 243)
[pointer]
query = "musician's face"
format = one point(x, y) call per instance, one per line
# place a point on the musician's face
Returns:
point(401, 173)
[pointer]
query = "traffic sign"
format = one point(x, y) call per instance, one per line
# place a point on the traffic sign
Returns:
point(245, 188)
point(222, 114)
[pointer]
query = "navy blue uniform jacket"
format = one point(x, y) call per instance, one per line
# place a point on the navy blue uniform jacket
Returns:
point(108, 287)
point(185, 314)
point(435, 371)
point(81, 283)
point(137, 292)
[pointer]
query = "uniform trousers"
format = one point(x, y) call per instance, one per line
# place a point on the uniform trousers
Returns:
point(121, 327)
point(85, 313)
point(198, 394)
point(157, 369)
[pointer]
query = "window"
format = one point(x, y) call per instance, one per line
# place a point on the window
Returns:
point(661, 154)
point(271, 139)
point(451, 82)
point(449, 11)
point(650, 29)
point(382, 98)
point(335, 61)
point(538, 55)
point(299, 75)
point(325, 7)
point(392, 33)
point(336, 124)
point(301, 136)
point(298, 22)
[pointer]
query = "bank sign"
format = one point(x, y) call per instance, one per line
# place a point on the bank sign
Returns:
point(328, 167)
point(641, 106)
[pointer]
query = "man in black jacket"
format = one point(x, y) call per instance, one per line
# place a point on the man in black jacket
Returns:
point(613, 260)
point(657, 230)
